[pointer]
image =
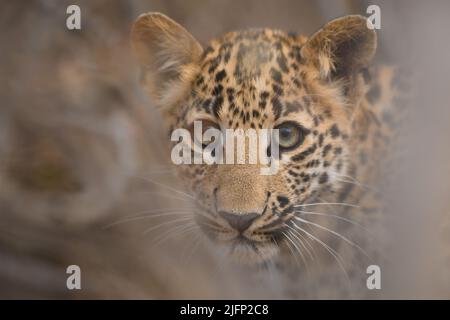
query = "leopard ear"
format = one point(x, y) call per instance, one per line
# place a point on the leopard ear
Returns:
point(169, 57)
point(341, 47)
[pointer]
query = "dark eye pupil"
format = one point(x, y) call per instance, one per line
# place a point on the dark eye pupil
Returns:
point(285, 132)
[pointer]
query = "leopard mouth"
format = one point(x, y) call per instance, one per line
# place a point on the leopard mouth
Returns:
point(251, 247)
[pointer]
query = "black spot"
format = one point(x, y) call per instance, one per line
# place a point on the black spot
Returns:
point(297, 54)
point(262, 104)
point(282, 63)
point(283, 201)
point(227, 56)
point(320, 139)
point(207, 51)
point(297, 83)
point(199, 81)
point(217, 90)
point(214, 64)
point(264, 95)
point(301, 156)
point(277, 89)
point(217, 105)
point(230, 94)
point(220, 75)
point(255, 113)
point(316, 121)
point(276, 75)
point(334, 130)
point(226, 47)
point(323, 178)
point(338, 151)
point(326, 149)
point(206, 104)
point(293, 173)
point(313, 163)
point(277, 107)
point(292, 107)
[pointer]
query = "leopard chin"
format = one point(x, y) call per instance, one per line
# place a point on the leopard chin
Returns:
point(251, 253)
point(241, 247)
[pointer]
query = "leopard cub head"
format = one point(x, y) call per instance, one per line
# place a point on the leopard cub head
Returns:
point(259, 79)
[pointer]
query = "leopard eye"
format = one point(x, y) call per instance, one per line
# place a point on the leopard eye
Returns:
point(197, 135)
point(290, 135)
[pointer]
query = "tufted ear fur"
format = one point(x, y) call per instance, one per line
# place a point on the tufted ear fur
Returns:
point(168, 55)
point(342, 47)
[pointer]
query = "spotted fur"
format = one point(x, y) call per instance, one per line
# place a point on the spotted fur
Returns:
point(261, 78)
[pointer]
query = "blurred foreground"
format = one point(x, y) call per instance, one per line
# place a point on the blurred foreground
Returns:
point(82, 159)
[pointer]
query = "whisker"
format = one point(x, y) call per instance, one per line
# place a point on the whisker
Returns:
point(195, 244)
point(149, 215)
point(167, 223)
point(328, 203)
point(352, 180)
point(336, 234)
point(206, 218)
point(171, 233)
point(353, 222)
point(171, 196)
point(299, 250)
point(168, 187)
point(333, 252)
point(290, 248)
point(298, 238)
point(213, 226)
point(272, 228)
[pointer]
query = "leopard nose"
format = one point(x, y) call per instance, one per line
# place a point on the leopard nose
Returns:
point(239, 221)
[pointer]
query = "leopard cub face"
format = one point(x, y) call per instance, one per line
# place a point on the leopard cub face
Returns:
point(259, 79)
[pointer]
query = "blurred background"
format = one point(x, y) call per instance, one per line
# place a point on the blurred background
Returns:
point(83, 163)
